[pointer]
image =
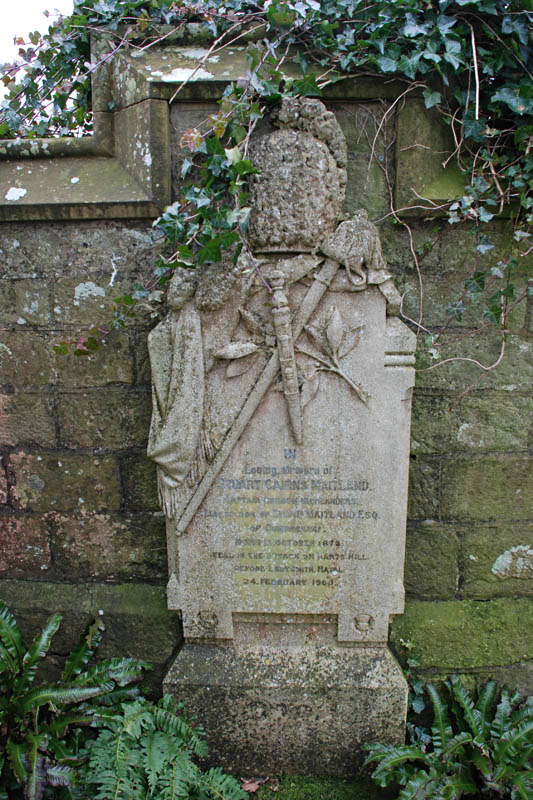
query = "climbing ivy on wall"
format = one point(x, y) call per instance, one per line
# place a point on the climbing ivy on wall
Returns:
point(470, 60)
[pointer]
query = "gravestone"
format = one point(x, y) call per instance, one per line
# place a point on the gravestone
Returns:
point(281, 413)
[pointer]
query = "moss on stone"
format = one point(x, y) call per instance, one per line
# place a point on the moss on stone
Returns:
point(455, 635)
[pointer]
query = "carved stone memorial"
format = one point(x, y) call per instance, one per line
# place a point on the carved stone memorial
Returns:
point(281, 413)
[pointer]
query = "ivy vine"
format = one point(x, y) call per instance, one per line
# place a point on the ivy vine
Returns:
point(470, 60)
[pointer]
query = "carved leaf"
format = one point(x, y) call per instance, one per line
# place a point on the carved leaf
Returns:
point(315, 335)
point(237, 350)
point(310, 389)
point(252, 321)
point(335, 330)
point(240, 365)
point(350, 340)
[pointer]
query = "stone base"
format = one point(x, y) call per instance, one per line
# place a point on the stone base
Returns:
point(270, 710)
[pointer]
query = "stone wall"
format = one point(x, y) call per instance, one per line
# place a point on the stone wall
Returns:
point(79, 519)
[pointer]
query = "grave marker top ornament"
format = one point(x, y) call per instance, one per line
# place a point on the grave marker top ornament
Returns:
point(280, 429)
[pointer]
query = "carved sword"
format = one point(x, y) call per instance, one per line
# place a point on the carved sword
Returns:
point(311, 300)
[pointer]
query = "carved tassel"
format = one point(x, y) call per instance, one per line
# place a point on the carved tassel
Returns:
point(282, 325)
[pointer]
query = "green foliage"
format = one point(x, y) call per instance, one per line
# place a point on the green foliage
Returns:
point(146, 751)
point(474, 748)
point(40, 725)
point(471, 61)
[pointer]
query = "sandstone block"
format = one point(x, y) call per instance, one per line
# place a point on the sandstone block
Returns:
point(25, 548)
point(431, 561)
point(498, 560)
point(96, 546)
point(65, 481)
point(487, 488)
point(26, 418)
point(110, 420)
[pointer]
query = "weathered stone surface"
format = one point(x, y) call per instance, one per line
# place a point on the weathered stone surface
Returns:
point(359, 123)
point(26, 359)
point(33, 301)
point(87, 299)
point(307, 153)
point(111, 420)
point(423, 488)
point(454, 635)
point(25, 548)
point(104, 547)
point(432, 561)
point(27, 418)
point(487, 488)
point(111, 363)
point(489, 422)
point(513, 374)
point(307, 702)
point(498, 560)
point(57, 249)
point(140, 483)
point(422, 144)
point(65, 481)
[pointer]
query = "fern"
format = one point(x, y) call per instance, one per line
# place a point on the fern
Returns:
point(442, 729)
point(40, 725)
point(473, 750)
point(146, 752)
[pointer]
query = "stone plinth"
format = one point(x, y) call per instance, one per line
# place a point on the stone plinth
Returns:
point(290, 700)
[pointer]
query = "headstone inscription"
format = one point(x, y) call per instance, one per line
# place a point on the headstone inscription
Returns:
point(281, 413)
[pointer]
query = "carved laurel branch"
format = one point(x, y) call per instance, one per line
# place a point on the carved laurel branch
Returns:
point(332, 342)
point(242, 355)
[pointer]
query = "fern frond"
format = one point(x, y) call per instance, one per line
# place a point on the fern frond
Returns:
point(221, 786)
point(455, 786)
point(62, 695)
point(37, 650)
point(455, 745)
point(11, 639)
point(522, 788)
point(168, 721)
point(471, 715)
point(442, 728)
point(512, 739)
point(174, 783)
point(120, 670)
point(34, 786)
point(420, 787)
point(396, 757)
point(89, 640)
point(158, 751)
point(60, 775)
point(485, 704)
point(500, 722)
point(117, 696)
point(17, 754)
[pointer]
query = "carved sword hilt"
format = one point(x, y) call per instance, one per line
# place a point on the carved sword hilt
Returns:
point(281, 315)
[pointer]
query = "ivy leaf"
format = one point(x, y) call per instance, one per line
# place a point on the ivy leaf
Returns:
point(484, 245)
point(511, 97)
point(387, 64)
point(484, 215)
point(413, 28)
point(431, 98)
point(307, 86)
point(445, 24)
point(513, 24)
